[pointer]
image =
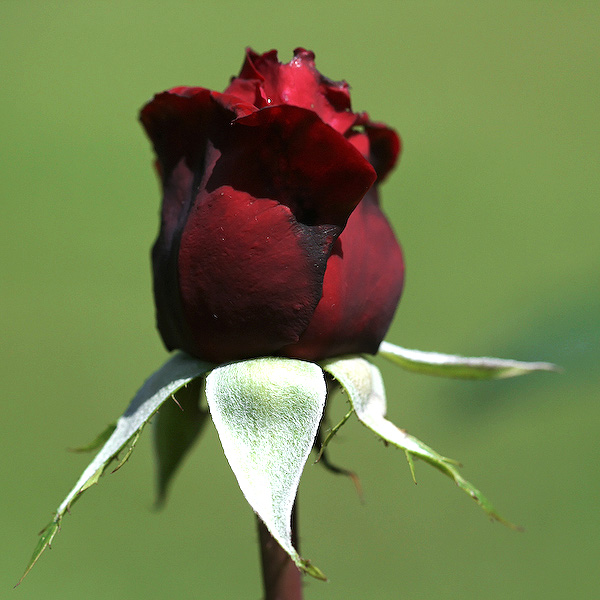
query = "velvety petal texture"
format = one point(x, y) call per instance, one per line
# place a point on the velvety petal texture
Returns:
point(272, 240)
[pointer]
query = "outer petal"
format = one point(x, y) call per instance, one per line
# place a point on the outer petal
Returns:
point(362, 286)
point(248, 280)
point(384, 146)
point(179, 123)
point(378, 143)
point(288, 153)
point(255, 244)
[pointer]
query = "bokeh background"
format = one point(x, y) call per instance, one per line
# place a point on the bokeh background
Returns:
point(496, 202)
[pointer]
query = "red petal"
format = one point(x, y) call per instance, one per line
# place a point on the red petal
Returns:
point(297, 83)
point(378, 143)
point(178, 125)
point(361, 289)
point(177, 201)
point(288, 154)
point(180, 121)
point(249, 278)
point(385, 146)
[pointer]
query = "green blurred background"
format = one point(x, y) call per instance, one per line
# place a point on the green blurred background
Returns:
point(496, 202)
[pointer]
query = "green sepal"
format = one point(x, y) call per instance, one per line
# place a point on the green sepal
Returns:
point(267, 412)
point(364, 385)
point(179, 370)
point(460, 367)
point(176, 427)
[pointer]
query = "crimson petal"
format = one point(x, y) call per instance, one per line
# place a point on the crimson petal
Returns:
point(285, 152)
point(362, 286)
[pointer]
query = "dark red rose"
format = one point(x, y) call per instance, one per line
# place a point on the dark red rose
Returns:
point(272, 240)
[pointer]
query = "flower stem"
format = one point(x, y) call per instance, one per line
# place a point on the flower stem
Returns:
point(281, 577)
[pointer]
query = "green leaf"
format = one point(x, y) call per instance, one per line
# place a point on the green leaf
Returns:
point(175, 373)
point(267, 412)
point(176, 426)
point(462, 367)
point(364, 385)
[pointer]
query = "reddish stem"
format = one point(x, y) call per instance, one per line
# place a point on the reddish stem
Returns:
point(282, 579)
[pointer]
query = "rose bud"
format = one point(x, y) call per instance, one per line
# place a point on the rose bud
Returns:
point(272, 240)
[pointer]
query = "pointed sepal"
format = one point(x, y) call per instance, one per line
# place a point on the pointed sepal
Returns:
point(460, 367)
point(267, 412)
point(364, 385)
point(176, 427)
point(174, 374)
